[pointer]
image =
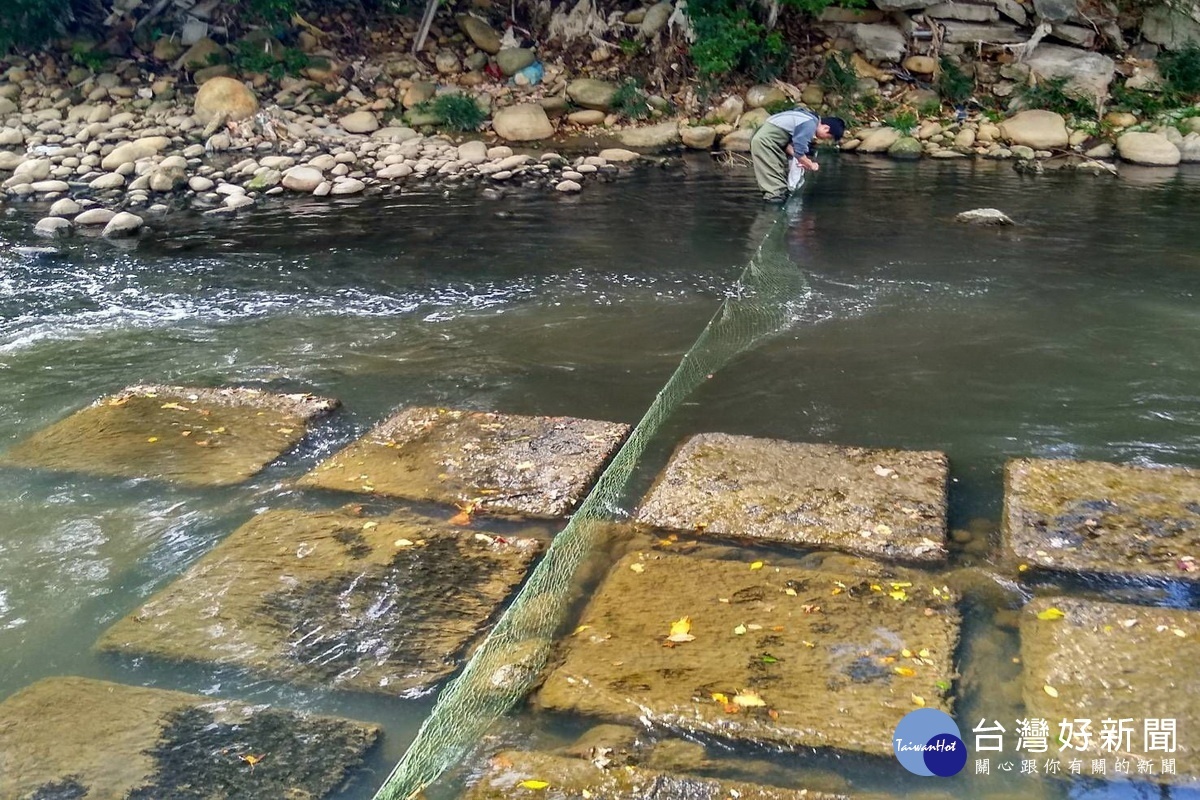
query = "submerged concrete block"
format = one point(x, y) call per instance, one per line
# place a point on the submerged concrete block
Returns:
point(200, 437)
point(1114, 666)
point(511, 774)
point(1099, 519)
point(77, 737)
point(751, 652)
point(882, 503)
point(495, 463)
point(380, 604)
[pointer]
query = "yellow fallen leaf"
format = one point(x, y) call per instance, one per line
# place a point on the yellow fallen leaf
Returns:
point(368, 525)
point(899, 594)
point(807, 643)
point(906, 653)
point(638, 568)
point(918, 700)
point(185, 433)
point(740, 630)
point(524, 465)
point(152, 439)
point(403, 543)
point(1051, 613)
point(283, 430)
point(253, 759)
point(174, 407)
point(681, 630)
point(790, 592)
point(720, 697)
point(1179, 632)
point(1050, 690)
point(906, 672)
point(756, 565)
point(534, 784)
point(748, 699)
point(580, 630)
point(923, 652)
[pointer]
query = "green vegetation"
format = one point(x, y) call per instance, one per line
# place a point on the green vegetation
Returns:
point(775, 106)
point(457, 112)
point(953, 85)
point(263, 57)
point(904, 120)
point(87, 56)
point(1144, 104)
point(1052, 95)
point(630, 101)
point(839, 76)
point(272, 12)
point(1180, 70)
point(729, 39)
point(31, 22)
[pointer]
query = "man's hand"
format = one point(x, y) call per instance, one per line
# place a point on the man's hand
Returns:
point(808, 163)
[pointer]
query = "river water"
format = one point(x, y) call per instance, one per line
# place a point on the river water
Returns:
point(1074, 334)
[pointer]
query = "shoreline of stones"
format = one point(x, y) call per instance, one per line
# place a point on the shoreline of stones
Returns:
point(116, 191)
point(103, 178)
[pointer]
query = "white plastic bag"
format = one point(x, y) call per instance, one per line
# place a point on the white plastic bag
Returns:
point(795, 175)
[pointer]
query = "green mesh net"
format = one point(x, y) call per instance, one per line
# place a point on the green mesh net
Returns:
point(764, 300)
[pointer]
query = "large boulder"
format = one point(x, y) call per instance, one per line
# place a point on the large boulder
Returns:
point(226, 96)
point(1038, 129)
point(737, 141)
point(1189, 148)
point(904, 148)
point(1149, 149)
point(122, 224)
point(202, 54)
point(525, 122)
point(878, 140)
point(512, 60)
point(480, 33)
point(130, 152)
point(1171, 26)
point(651, 137)
point(879, 42)
point(302, 179)
point(592, 93)
point(763, 95)
point(655, 20)
point(699, 137)
point(1088, 74)
point(359, 122)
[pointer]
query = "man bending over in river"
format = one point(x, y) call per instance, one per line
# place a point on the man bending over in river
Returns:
point(788, 134)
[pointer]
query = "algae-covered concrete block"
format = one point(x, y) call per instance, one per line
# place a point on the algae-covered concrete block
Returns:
point(515, 774)
point(883, 503)
point(495, 463)
point(1095, 518)
point(1129, 671)
point(753, 652)
point(200, 437)
point(76, 737)
point(383, 604)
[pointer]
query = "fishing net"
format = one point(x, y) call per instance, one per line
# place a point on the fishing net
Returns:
point(766, 297)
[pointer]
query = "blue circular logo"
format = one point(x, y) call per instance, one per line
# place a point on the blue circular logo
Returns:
point(927, 742)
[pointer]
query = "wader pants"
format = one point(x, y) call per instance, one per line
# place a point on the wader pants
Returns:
point(770, 161)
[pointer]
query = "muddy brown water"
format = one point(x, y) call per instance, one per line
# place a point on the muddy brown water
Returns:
point(1071, 335)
